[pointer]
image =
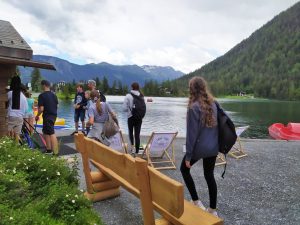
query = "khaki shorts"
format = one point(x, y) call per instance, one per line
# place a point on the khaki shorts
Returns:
point(15, 124)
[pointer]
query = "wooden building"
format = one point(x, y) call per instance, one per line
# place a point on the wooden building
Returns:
point(14, 51)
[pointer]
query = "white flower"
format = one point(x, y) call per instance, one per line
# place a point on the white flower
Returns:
point(43, 170)
point(3, 142)
point(14, 171)
point(44, 157)
point(9, 156)
point(58, 173)
point(76, 196)
point(67, 195)
point(81, 190)
point(10, 180)
point(47, 178)
point(26, 167)
point(29, 160)
point(72, 215)
point(11, 218)
point(73, 201)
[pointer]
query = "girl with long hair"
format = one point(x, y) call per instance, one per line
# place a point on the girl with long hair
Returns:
point(98, 114)
point(17, 106)
point(201, 140)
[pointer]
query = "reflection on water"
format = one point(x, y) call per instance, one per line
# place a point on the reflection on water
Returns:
point(169, 114)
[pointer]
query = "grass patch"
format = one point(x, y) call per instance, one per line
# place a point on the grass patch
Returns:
point(40, 189)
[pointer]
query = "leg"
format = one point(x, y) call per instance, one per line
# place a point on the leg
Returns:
point(54, 144)
point(137, 131)
point(76, 119)
point(188, 180)
point(82, 116)
point(130, 130)
point(208, 167)
point(48, 141)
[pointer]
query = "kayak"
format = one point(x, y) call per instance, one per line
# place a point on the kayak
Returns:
point(280, 132)
point(59, 122)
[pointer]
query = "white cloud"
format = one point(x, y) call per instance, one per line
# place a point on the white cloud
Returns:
point(183, 34)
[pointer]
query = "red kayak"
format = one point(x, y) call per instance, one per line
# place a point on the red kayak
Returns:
point(280, 132)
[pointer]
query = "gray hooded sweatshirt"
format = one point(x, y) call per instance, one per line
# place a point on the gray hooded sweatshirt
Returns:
point(128, 102)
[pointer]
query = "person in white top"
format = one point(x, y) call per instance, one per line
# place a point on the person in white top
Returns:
point(135, 114)
point(17, 106)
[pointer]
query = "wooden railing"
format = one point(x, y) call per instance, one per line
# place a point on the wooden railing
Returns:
point(155, 190)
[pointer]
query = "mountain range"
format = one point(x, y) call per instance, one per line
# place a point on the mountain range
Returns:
point(266, 64)
point(69, 72)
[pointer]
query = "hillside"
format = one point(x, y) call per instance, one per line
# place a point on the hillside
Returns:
point(266, 64)
point(68, 72)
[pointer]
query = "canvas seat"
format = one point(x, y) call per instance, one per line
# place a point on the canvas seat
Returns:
point(237, 150)
point(159, 150)
point(117, 142)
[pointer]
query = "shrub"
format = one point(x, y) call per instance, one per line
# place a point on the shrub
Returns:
point(39, 189)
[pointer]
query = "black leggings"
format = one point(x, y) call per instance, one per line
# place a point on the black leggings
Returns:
point(136, 125)
point(208, 167)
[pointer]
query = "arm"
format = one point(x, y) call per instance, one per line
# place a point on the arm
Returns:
point(125, 104)
point(112, 113)
point(40, 107)
point(192, 131)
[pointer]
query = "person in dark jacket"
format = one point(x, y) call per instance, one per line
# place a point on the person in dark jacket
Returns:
point(201, 140)
point(79, 105)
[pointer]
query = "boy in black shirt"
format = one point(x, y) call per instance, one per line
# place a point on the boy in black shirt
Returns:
point(79, 105)
point(47, 104)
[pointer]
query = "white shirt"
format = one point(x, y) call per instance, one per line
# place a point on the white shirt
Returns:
point(128, 102)
point(17, 112)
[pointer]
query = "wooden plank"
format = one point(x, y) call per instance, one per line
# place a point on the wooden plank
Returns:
point(112, 175)
point(192, 215)
point(121, 163)
point(81, 146)
point(98, 196)
point(162, 221)
point(166, 192)
point(145, 192)
point(98, 176)
point(105, 185)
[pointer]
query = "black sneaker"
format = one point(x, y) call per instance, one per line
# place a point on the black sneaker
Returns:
point(49, 152)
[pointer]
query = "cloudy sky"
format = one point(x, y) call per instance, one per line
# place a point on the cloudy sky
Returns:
point(184, 34)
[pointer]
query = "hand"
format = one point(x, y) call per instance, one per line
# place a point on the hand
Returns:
point(188, 164)
point(37, 118)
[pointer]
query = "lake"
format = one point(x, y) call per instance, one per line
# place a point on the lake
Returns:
point(169, 114)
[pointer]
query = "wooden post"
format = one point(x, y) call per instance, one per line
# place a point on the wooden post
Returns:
point(145, 191)
point(6, 71)
point(81, 146)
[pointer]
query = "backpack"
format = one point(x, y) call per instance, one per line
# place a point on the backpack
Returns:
point(227, 134)
point(138, 107)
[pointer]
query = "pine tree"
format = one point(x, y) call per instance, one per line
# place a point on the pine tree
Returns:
point(36, 79)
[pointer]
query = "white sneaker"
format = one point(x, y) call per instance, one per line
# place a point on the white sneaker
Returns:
point(212, 211)
point(199, 204)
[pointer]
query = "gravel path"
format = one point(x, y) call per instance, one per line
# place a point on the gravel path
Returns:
point(260, 189)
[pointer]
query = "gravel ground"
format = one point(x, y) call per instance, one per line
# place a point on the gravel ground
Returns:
point(262, 188)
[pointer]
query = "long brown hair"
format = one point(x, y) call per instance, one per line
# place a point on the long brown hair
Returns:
point(95, 96)
point(199, 93)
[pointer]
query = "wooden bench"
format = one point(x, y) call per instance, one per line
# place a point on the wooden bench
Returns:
point(155, 190)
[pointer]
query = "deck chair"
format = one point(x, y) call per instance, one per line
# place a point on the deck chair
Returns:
point(117, 142)
point(237, 150)
point(159, 150)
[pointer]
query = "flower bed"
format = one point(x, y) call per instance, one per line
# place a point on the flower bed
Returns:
point(39, 189)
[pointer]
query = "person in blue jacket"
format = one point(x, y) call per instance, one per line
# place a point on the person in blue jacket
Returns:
point(201, 140)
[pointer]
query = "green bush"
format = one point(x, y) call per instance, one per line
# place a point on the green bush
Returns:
point(40, 189)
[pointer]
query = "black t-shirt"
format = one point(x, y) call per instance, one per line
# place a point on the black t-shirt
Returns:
point(49, 100)
point(80, 100)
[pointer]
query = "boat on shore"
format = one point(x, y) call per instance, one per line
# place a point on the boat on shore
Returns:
point(280, 132)
point(149, 100)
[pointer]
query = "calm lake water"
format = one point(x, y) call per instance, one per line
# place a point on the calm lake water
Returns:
point(169, 114)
